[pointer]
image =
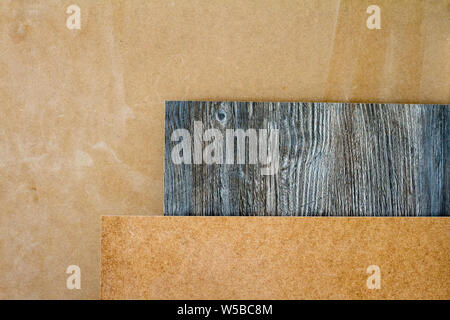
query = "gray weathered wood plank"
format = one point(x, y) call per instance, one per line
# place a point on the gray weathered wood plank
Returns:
point(335, 159)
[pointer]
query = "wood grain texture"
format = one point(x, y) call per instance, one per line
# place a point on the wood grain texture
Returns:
point(336, 159)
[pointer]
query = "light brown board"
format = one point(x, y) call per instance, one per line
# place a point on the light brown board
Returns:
point(334, 159)
point(274, 258)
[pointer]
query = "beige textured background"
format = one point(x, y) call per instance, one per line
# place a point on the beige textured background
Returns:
point(81, 125)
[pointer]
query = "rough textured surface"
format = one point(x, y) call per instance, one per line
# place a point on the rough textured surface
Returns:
point(82, 111)
point(274, 258)
point(334, 159)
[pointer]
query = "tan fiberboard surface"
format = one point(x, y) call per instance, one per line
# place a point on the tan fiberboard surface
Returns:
point(81, 126)
point(274, 258)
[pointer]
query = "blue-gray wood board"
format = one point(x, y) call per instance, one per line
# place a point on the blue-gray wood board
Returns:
point(335, 159)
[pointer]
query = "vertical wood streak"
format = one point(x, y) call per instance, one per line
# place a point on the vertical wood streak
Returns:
point(336, 159)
